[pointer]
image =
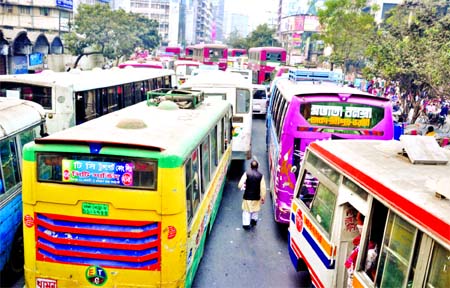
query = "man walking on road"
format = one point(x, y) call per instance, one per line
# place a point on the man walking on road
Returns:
point(254, 186)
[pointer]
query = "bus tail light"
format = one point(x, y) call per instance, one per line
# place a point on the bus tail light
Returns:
point(372, 133)
point(308, 129)
point(172, 232)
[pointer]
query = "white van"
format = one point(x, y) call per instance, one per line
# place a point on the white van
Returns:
point(260, 99)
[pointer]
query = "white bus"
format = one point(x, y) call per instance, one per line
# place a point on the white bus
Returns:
point(71, 98)
point(373, 213)
point(238, 92)
point(20, 122)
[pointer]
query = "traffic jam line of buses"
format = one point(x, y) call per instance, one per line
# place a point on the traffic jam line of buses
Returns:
point(115, 177)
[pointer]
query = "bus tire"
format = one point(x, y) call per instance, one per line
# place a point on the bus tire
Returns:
point(14, 269)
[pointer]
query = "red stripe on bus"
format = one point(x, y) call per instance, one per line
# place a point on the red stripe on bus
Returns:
point(96, 244)
point(314, 277)
point(402, 204)
point(96, 220)
point(78, 254)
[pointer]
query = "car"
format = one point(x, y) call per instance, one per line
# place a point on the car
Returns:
point(260, 99)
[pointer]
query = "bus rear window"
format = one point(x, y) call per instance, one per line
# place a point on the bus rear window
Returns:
point(346, 115)
point(39, 94)
point(97, 170)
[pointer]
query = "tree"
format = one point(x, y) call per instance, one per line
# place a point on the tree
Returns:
point(262, 36)
point(235, 40)
point(413, 47)
point(111, 33)
point(347, 30)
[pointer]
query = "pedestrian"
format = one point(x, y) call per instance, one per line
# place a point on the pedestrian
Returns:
point(430, 131)
point(254, 186)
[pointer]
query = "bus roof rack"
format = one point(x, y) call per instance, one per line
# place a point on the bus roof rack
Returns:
point(300, 75)
point(185, 99)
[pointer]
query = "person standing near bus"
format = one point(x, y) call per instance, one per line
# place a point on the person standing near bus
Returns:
point(254, 186)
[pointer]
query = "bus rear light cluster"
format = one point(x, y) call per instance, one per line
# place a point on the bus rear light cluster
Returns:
point(373, 133)
point(309, 129)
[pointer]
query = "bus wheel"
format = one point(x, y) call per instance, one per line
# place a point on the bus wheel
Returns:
point(13, 268)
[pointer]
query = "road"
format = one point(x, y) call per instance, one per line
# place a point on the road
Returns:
point(237, 258)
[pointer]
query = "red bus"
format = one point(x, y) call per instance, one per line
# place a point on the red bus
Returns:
point(263, 60)
point(211, 54)
point(175, 50)
point(236, 52)
point(188, 53)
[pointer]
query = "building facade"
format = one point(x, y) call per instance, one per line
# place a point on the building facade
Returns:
point(236, 23)
point(30, 33)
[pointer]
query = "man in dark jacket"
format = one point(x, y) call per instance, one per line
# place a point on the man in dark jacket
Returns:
point(254, 186)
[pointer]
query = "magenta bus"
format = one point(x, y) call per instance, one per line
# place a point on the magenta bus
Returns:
point(263, 60)
point(302, 112)
point(142, 63)
point(211, 54)
point(176, 51)
point(236, 52)
point(188, 53)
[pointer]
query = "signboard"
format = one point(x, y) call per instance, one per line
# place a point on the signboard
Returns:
point(311, 24)
point(18, 65)
point(341, 116)
point(68, 4)
point(36, 59)
point(97, 173)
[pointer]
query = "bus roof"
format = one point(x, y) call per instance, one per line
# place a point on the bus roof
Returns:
point(142, 64)
point(210, 45)
point(16, 115)
point(216, 78)
point(270, 49)
point(86, 80)
point(186, 63)
point(291, 89)
point(408, 188)
point(168, 131)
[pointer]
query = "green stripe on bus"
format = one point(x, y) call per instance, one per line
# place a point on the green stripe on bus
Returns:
point(164, 160)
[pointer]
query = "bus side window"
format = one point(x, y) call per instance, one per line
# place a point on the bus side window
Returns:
point(438, 275)
point(307, 189)
point(9, 160)
point(322, 207)
point(375, 235)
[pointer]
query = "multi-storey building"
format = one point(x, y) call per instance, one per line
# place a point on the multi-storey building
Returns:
point(30, 33)
point(218, 19)
point(196, 21)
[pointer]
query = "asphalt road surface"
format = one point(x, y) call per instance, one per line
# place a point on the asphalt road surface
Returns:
point(235, 257)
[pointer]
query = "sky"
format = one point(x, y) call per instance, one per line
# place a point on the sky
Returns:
point(258, 11)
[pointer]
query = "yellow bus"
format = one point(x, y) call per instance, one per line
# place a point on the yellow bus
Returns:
point(127, 199)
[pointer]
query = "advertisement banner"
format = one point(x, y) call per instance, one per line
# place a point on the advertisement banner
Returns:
point(311, 24)
point(68, 4)
point(18, 64)
point(36, 59)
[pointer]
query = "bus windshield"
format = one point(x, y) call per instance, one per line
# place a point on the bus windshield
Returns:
point(97, 170)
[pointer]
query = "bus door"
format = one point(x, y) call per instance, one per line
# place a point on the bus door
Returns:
point(349, 217)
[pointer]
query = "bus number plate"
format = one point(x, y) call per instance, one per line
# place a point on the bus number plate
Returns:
point(95, 209)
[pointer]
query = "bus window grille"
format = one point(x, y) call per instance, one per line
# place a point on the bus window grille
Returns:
point(91, 241)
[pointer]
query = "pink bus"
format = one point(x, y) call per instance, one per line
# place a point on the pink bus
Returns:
point(302, 112)
point(211, 54)
point(176, 51)
point(188, 53)
point(263, 60)
point(236, 52)
point(141, 63)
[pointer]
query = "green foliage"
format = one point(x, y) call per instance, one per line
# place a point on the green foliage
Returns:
point(262, 36)
point(114, 33)
point(412, 47)
point(235, 40)
point(347, 30)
